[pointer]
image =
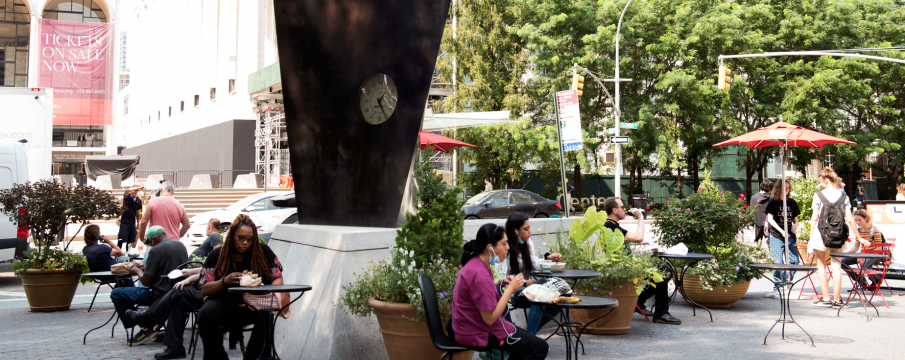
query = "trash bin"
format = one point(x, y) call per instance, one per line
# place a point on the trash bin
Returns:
point(640, 201)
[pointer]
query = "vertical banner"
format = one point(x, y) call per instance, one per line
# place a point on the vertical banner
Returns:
point(76, 60)
point(569, 120)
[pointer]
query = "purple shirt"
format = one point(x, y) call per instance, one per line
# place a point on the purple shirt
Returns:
point(475, 292)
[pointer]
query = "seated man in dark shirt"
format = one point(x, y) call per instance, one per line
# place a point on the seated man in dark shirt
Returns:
point(172, 309)
point(615, 212)
point(213, 239)
point(165, 256)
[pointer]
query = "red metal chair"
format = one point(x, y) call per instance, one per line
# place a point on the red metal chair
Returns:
point(878, 269)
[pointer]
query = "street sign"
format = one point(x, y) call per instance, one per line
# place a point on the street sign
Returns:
point(628, 125)
point(619, 139)
point(611, 131)
point(569, 120)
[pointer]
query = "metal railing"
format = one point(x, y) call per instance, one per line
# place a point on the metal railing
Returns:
point(142, 175)
point(228, 177)
point(184, 177)
point(79, 143)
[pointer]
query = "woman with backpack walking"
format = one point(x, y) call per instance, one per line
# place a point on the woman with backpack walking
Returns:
point(831, 223)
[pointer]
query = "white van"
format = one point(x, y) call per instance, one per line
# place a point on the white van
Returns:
point(13, 239)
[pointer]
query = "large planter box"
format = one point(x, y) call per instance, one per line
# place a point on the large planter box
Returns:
point(50, 290)
point(616, 323)
point(404, 339)
point(720, 297)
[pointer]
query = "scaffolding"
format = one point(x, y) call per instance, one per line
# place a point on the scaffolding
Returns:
point(271, 159)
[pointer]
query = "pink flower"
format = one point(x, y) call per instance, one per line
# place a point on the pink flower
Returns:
point(689, 209)
point(721, 200)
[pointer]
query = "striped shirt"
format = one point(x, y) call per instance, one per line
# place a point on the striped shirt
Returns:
point(864, 233)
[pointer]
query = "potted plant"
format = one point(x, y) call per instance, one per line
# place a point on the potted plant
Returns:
point(708, 222)
point(429, 242)
point(624, 271)
point(50, 275)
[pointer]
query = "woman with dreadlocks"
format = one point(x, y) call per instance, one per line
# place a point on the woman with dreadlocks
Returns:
point(223, 268)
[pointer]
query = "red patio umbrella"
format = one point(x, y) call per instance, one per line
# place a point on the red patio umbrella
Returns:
point(784, 134)
point(439, 142)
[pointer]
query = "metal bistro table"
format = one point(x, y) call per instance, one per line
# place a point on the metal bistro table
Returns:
point(857, 286)
point(112, 331)
point(686, 261)
point(271, 324)
point(569, 274)
point(565, 326)
point(766, 270)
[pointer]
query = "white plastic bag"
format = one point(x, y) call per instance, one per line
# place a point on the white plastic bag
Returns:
point(679, 249)
point(540, 293)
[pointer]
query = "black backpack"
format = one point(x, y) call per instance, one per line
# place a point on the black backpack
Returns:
point(832, 222)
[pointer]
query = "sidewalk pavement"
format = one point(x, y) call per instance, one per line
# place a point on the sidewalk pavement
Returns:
point(735, 333)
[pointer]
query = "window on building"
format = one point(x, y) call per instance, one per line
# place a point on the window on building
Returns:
point(182, 106)
point(14, 36)
point(197, 100)
point(213, 94)
point(232, 86)
point(158, 116)
point(125, 105)
point(74, 10)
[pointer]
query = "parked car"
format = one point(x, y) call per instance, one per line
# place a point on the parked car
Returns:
point(256, 206)
point(13, 171)
point(502, 203)
point(266, 230)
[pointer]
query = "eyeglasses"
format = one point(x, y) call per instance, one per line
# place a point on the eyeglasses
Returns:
point(244, 238)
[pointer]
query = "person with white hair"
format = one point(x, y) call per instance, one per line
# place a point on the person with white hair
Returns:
point(166, 212)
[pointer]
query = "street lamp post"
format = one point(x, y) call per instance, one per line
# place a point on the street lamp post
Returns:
point(617, 80)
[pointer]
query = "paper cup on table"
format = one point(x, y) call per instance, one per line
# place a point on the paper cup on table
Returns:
point(546, 266)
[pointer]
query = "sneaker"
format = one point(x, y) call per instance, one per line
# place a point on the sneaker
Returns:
point(643, 311)
point(773, 295)
point(145, 336)
point(667, 319)
point(838, 305)
point(823, 303)
point(172, 352)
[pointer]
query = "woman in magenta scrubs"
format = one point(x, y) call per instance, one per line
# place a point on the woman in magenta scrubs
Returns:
point(478, 306)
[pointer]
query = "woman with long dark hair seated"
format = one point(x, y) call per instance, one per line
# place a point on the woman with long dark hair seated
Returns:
point(522, 260)
point(223, 268)
point(478, 306)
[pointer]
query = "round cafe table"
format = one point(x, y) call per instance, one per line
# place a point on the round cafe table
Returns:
point(271, 310)
point(785, 317)
point(565, 326)
point(857, 287)
point(686, 261)
point(569, 274)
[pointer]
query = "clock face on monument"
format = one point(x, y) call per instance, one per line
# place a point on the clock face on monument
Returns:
point(377, 98)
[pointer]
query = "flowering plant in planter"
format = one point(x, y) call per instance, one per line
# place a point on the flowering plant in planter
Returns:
point(395, 280)
point(45, 208)
point(607, 254)
point(429, 242)
point(709, 222)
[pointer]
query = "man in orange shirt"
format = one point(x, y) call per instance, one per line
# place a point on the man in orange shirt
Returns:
point(166, 212)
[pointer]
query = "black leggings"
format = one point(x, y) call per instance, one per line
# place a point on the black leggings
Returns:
point(530, 347)
point(215, 314)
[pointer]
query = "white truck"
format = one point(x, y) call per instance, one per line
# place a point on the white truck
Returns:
point(26, 126)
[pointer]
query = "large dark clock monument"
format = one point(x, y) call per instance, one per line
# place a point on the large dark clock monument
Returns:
point(356, 76)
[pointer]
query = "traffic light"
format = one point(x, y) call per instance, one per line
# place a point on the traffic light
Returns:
point(577, 82)
point(723, 78)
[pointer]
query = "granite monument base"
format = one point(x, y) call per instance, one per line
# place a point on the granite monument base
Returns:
point(326, 257)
